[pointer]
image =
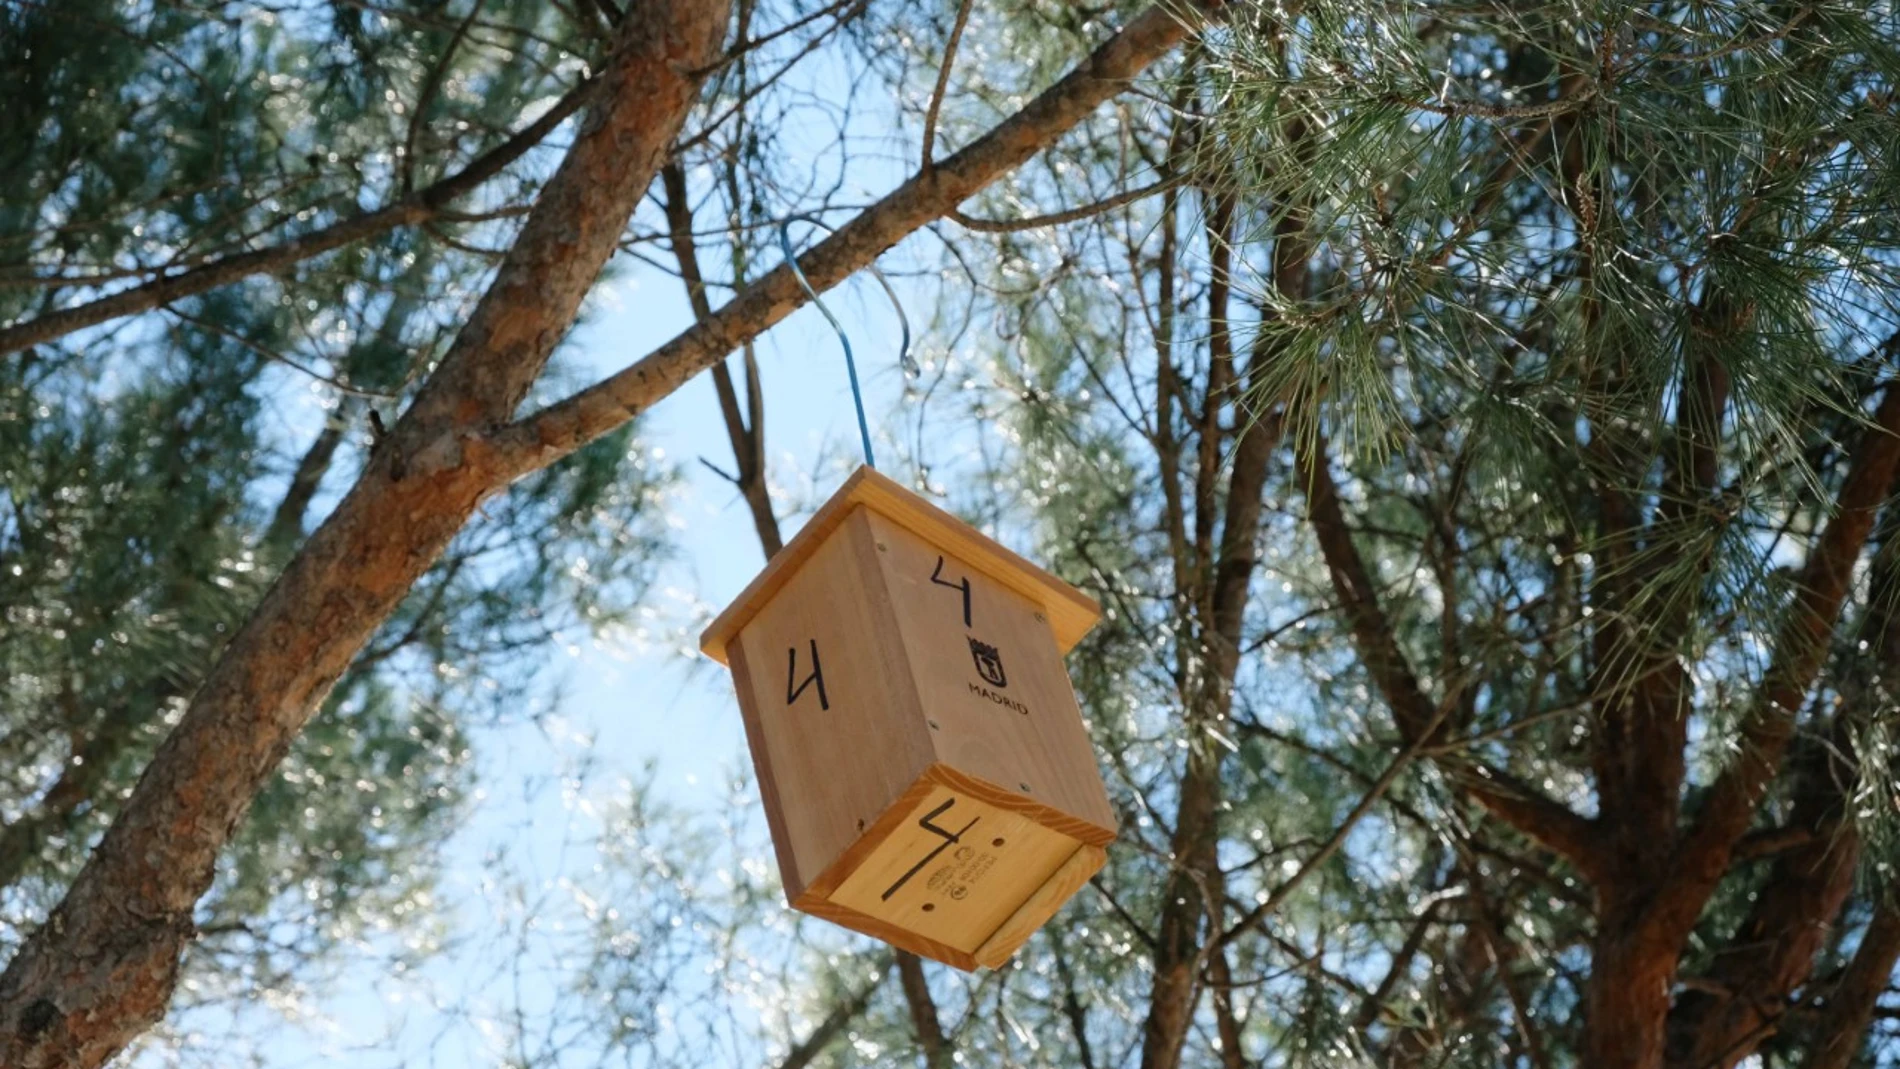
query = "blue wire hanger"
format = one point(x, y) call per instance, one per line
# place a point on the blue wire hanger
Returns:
point(850, 365)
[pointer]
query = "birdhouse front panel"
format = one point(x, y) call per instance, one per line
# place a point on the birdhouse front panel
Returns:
point(831, 716)
point(991, 683)
point(926, 773)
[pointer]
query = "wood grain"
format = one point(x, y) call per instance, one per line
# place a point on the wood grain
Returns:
point(1036, 910)
point(957, 884)
point(1018, 727)
point(926, 772)
point(853, 739)
point(884, 931)
point(1071, 613)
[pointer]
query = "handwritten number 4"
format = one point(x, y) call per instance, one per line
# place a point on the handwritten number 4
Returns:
point(794, 687)
point(937, 578)
point(949, 838)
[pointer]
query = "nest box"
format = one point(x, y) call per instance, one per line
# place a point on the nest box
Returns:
point(927, 777)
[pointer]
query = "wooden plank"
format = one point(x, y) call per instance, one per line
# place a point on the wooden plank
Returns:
point(1040, 906)
point(831, 711)
point(1070, 613)
point(954, 870)
point(867, 844)
point(884, 931)
point(992, 685)
point(1081, 831)
point(789, 877)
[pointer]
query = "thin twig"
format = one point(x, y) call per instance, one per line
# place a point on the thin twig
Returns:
point(419, 207)
point(431, 85)
point(1472, 109)
point(1337, 839)
point(943, 83)
point(277, 357)
point(1007, 226)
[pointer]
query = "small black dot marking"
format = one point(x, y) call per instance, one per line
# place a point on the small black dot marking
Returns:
point(928, 906)
point(996, 842)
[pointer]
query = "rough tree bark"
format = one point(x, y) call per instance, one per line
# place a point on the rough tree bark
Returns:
point(1842, 1028)
point(1755, 977)
point(533, 443)
point(1645, 915)
point(103, 966)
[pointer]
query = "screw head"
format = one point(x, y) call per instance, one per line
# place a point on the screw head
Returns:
point(1024, 786)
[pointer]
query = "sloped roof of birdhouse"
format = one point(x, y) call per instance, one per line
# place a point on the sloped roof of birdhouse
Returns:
point(1071, 613)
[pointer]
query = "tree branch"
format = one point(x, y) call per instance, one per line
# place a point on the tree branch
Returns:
point(416, 208)
point(1337, 839)
point(923, 1011)
point(104, 966)
point(1070, 215)
point(943, 82)
point(746, 440)
point(1800, 646)
point(1772, 952)
point(834, 1023)
point(554, 432)
point(1552, 825)
point(1842, 1028)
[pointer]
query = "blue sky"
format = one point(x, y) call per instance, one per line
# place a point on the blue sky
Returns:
point(623, 703)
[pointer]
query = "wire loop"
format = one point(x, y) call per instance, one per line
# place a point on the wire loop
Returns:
point(850, 364)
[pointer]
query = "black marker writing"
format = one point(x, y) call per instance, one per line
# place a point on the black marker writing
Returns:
point(793, 688)
point(937, 578)
point(949, 838)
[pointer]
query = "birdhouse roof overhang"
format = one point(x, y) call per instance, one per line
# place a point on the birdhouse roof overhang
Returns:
point(1071, 613)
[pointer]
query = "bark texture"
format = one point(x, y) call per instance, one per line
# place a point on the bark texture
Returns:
point(103, 966)
point(1772, 954)
point(1646, 912)
point(1849, 1008)
point(535, 442)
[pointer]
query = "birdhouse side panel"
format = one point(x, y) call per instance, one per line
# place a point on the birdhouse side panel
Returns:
point(995, 694)
point(831, 714)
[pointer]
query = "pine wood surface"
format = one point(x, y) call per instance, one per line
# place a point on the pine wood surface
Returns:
point(925, 769)
point(1071, 613)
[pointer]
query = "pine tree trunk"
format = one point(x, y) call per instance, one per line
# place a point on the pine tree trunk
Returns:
point(103, 967)
point(1630, 976)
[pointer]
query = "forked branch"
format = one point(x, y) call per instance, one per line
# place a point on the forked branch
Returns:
point(1549, 823)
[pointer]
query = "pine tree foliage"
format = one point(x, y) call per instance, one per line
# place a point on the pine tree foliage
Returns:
point(160, 472)
point(1476, 421)
point(1554, 341)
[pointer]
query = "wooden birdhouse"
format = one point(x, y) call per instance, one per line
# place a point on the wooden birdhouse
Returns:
point(927, 777)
